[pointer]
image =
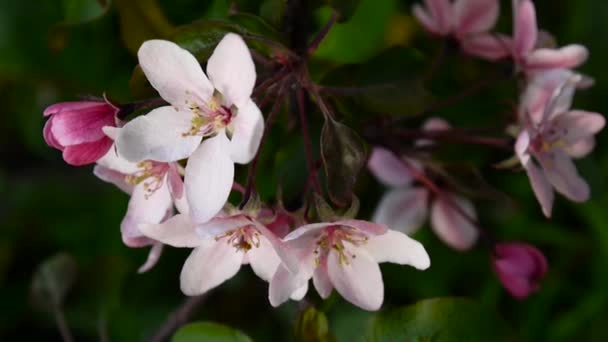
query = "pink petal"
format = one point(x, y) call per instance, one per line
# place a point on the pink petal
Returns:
point(72, 106)
point(153, 256)
point(441, 11)
point(388, 168)
point(114, 177)
point(208, 266)
point(566, 57)
point(286, 254)
point(77, 127)
point(541, 187)
point(450, 225)
point(398, 248)
point(49, 138)
point(426, 20)
point(492, 47)
point(321, 280)
point(525, 29)
point(358, 279)
point(284, 284)
point(86, 153)
point(178, 231)
point(403, 209)
point(521, 147)
point(577, 125)
point(475, 16)
point(581, 148)
point(562, 174)
point(176, 184)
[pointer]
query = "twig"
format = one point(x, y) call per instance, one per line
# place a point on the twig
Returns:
point(178, 317)
point(306, 138)
point(62, 324)
point(314, 45)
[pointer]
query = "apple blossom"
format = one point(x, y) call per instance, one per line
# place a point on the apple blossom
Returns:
point(218, 108)
point(520, 267)
point(221, 246)
point(469, 21)
point(552, 134)
point(406, 206)
point(75, 128)
point(344, 255)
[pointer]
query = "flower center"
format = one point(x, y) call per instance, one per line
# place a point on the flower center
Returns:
point(151, 173)
point(208, 118)
point(334, 238)
point(242, 238)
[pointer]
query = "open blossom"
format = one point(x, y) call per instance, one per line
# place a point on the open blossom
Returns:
point(406, 206)
point(553, 134)
point(221, 246)
point(519, 267)
point(75, 128)
point(345, 255)
point(469, 21)
point(524, 45)
point(217, 109)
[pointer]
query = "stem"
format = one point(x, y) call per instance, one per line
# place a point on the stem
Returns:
point(314, 45)
point(271, 80)
point(437, 61)
point(314, 91)
point(276, 107)
point(449, 136)
point(306, 138)
point(180, 316)
point(62, 324)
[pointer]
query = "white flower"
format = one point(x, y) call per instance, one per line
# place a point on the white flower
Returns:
point(218, 108)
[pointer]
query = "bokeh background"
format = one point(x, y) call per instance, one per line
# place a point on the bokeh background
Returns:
point(52, 50)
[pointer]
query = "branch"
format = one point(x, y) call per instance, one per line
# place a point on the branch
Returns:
point(180, 316)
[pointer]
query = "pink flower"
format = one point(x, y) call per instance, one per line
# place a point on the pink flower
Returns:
point(469, 21)
point(552, 135)
point(406, 207)
point(221, 246)
point(344, 255)
point(524, 50)
point(520, 267)
point(76, 129)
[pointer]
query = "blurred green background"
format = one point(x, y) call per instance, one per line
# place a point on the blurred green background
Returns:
point(52, 50)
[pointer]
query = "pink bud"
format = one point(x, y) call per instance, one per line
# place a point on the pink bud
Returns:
point(520, 267)
point(76, 129)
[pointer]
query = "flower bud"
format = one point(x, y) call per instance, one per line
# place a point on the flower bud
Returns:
point(76, 129)
point(520, 267)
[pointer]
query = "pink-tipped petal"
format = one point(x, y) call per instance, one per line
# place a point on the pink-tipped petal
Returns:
point(358, 279)
point(208, 266)
point(398, 248)
point(449, 223)
point(388, 168)
point(77, 127)
point(403, 209)
point(475, 16)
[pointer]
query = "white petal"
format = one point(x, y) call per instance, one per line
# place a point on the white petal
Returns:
point(248, 128)
point(145, 207)
point(220, 225)
point(359, 279)
point(321, 280)
point(398, 248)
point(300, 293)
point(159, 136)
point(174, 73)
point(208, 266)
point(209, 177)
point(231, 70)
point(403, 209)
point(178, 231)
point(284, 285)
point(153, 256)
point(450, 225)
point(114, 177)
point(113, 161)
point(263, 259)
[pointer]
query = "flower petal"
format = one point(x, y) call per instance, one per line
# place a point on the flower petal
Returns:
point(562, 174)
point(403, 209)
point(441, 11)
point(248, 128)
point(521, 147)
point(86, 153)
point(155, 251)
point(209, 177)
point(388, 168)
point(581, 148)
point(113, 161)
point(263, 259)
point(566, 57)
point(158, 136)
point(287, 256)
point(475, 16)
point(144, 207)
point(49, 138)
point(77, 127)
point(114, 177)
point(284, 285)
point(208, 266)
point(220, 225)
point(370, 228)
point(178, 231)
point(492, 47)
point(541, 187)
point(450, 225)
point(231, 70)
point(358, 279)
point(524, 27)
point(577, 125)
point(425, 19)
point(398, 248)
point(321, 280)
point(174, 73)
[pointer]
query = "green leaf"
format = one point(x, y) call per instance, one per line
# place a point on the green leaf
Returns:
point(208, 331)
point(440, 320)
point(311, 326)
point(52, 280)
point(79, 11)
point(141, 20)
point(345, 8)
point(343, 154)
